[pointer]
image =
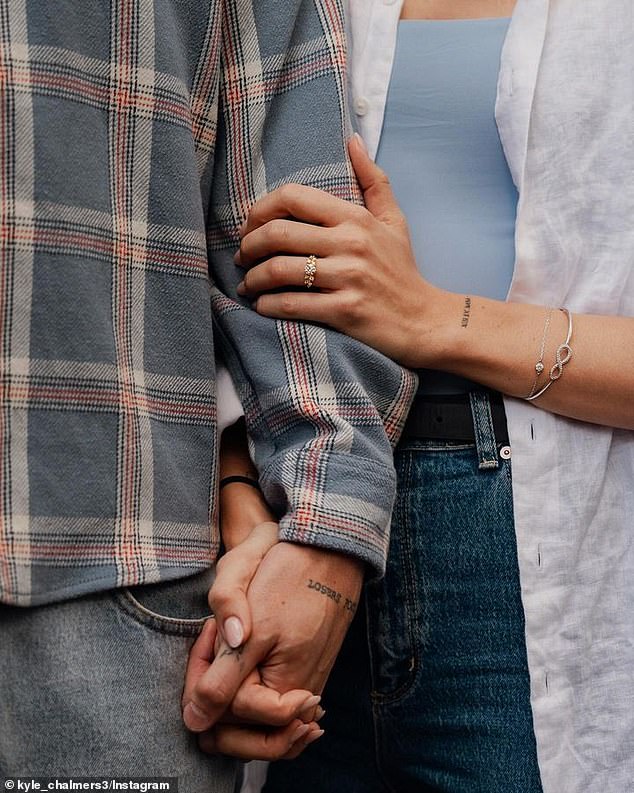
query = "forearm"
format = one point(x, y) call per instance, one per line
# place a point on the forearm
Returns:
point(242, 506)
point(498, 345)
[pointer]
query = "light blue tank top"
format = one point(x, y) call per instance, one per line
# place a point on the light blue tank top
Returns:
point(441, 149)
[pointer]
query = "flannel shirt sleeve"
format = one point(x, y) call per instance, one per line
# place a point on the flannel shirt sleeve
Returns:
point(323, 411)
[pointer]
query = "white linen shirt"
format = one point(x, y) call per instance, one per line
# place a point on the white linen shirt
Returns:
point(565, 112)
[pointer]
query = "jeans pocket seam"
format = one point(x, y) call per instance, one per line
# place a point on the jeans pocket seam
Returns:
point(177, 626)
point(411, 592)
point(389, 698)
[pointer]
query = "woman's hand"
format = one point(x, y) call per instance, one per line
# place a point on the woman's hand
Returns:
point(366, 285)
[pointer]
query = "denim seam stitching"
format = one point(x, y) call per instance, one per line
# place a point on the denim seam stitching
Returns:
point(376, 700)
point(175, 625)
point(390, 698)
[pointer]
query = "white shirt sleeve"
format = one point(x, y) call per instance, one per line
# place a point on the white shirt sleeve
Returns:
point(229, 405)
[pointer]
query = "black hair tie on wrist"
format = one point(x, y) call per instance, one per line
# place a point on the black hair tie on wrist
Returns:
point(245, 480)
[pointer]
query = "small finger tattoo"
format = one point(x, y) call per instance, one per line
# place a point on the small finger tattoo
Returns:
point(235, 651)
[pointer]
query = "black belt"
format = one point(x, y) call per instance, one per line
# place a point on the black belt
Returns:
point(449, 418)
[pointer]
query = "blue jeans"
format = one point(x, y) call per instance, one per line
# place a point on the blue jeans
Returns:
point(431, 690)
point(92, 687)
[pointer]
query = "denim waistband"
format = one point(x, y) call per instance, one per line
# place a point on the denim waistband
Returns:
point(476, 418)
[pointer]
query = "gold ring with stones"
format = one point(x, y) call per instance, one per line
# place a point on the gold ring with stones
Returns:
point(310, 269)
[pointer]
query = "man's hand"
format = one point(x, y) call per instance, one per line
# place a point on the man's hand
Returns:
point(301, 602)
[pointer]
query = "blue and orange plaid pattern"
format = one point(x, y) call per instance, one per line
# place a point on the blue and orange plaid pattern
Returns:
point(134, 136)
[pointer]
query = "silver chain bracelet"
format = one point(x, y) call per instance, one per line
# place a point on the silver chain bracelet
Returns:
point(562, 356)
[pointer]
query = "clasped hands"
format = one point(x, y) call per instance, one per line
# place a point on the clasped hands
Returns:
point(255, 673)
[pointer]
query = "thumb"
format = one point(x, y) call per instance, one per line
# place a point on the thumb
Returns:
point(377, 192)
point(234, 572)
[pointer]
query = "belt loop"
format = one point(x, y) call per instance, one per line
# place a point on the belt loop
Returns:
point(486, 446)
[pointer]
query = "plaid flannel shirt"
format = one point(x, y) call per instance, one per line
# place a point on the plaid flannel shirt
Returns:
point(134, 136)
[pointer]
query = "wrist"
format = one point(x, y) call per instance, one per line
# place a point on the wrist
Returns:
point(335, 568)
point(438, 341)
point(242, 507)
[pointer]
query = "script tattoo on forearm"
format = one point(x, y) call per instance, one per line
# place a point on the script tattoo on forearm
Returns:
point(348, 605)
point(466, 312)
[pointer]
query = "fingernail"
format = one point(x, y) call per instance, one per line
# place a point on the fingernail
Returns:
point(314, 736)
point(308, 708)
point(195, 718)
point(311, 702)
point(360, 141)
point(243, 228)
point(241, 288)
point(319, 713)
point(234, 632)
point(236, 257)
point(299, 732)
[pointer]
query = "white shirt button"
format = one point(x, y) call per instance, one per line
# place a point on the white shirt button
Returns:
point(505, 452)
point(361, 106)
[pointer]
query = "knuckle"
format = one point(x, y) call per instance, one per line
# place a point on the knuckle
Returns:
point(212, 694)
point(353, 273)
point(358, 244)
point(243, 710)
point(283, 714)
point(277, 230)
point(289, 713)
point(276, 749)
point(240, 708)
point(382, 177)
point(353, 307)
point(279, 270)
point(255, 215)
point(219, 597)
point(288, 193)
point(288, 305)
point(400, 221)
point(361, 217)
point(246, 247)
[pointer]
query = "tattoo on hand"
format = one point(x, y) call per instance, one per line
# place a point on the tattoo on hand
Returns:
point(237, 652)
point(466, 312)
point(347, 604)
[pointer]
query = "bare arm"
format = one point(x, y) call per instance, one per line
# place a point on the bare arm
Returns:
point(501, 344)
point(242, 506)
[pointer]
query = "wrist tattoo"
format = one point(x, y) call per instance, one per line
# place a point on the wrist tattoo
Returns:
point(347, 604)
point(466, 312)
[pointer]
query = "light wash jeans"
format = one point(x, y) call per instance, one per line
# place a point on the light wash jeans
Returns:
point(432, 694)
point(92, 687)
